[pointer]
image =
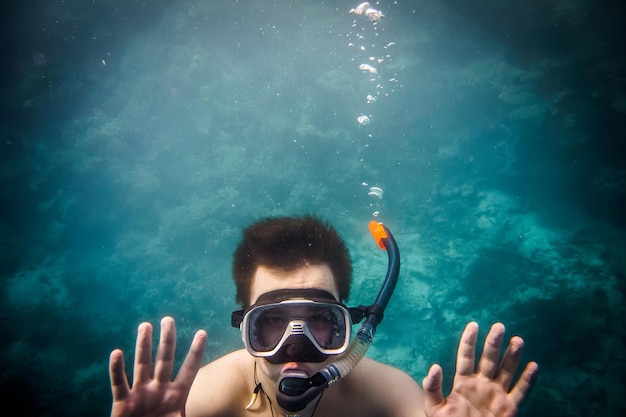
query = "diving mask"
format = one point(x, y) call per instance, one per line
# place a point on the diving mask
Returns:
point(295, 325)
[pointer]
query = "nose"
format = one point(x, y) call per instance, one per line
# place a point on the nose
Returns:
point(296, 350)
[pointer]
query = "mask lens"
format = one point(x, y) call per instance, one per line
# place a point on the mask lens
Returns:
point(327, 326)
point(267, 327)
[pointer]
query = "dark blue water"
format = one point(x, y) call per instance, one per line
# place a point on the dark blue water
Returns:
point(138, 138)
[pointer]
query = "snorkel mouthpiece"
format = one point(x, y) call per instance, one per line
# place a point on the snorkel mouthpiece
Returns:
point(295, 392)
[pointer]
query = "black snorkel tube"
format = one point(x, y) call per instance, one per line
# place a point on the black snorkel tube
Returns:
point(296, 392)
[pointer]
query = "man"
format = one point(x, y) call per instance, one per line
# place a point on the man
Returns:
point(296, 272)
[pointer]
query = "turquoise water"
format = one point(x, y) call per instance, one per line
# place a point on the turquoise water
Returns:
point(138, 138)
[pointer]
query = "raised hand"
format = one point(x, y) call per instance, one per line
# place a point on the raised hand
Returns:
point(154, 393)
point(487, 391)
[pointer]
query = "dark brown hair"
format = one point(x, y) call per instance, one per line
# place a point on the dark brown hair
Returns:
point(286, 244)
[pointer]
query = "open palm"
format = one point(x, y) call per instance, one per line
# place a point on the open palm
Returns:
point(487, 390)
point(154, 393)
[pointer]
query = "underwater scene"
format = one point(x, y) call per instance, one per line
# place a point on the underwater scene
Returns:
point(140, 137)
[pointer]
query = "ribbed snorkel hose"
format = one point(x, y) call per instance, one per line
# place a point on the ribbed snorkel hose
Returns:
point(295, 392)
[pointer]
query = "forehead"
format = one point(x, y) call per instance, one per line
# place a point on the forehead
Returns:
point(309, 276)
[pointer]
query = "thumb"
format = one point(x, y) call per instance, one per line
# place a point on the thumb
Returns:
point(433, 396)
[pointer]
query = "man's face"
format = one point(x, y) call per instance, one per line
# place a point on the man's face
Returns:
point(311, 276)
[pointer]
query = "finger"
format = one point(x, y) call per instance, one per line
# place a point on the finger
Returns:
point(143, 354)
point(525, 383)
point(193, 360)
point(433, 395)
point(465, 356)
point(165, 354)
point(119, 382)
point(509, 362)
point(490, 359)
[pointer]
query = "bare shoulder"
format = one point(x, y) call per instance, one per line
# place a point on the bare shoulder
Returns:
point(221, 386)
point(369, 367)
point(389, 389)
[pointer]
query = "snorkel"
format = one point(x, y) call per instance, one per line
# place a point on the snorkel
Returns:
point(296, 392)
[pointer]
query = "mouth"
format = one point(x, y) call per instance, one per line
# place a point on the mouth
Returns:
point(295, 369)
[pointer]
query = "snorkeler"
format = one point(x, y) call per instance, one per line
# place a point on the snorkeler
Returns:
point(292, 276)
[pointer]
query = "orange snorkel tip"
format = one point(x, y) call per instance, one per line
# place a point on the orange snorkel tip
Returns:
point(378, 233)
